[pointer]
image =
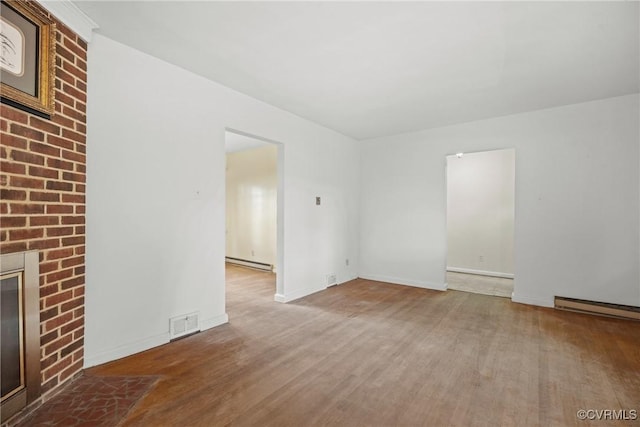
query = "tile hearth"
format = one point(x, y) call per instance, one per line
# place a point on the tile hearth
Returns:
point(90, 401)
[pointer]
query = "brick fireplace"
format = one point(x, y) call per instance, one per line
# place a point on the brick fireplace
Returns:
point(42, 183)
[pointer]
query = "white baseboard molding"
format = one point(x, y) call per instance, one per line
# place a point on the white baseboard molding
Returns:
point(405, 282)
point(284, 298)
point(526, 299)
point(480, 272)
point(301, 293)
point(145, 344)
point(348, 280)
point(251, 264)
point(214, 321)
point(125, 350)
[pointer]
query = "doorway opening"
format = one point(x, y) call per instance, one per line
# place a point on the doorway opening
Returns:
point(254, 210)
point(480, 222)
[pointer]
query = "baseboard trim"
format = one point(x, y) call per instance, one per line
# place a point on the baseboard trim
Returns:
point(480, 272)
point(529, 300)
point(145, 344)
point(214, 321)
point(284, 298)
point(405, 282)
point(126, 350)
point(351, 278)
point(251, 264)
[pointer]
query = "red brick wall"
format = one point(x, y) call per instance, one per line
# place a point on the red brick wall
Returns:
point(42, 181)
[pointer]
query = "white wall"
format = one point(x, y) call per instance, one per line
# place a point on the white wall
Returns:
point(577, 195)
point(480, 212)
point(252, 190)
point(156, 198)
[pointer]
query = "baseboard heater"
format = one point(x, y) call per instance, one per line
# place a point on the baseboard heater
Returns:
point(598, 308)
point(247, 263)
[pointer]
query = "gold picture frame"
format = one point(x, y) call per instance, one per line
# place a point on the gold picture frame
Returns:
point(27, 57)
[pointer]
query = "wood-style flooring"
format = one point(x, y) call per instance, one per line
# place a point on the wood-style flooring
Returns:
point(373, 354)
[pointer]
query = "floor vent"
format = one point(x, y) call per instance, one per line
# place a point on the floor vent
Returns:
point(181, 326)
point(599, 308)
point(247, 263)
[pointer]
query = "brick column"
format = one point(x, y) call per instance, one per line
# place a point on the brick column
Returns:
point(42, 182)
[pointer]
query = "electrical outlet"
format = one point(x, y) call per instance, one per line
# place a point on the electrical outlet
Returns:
point(481, 258)
point(318, 200)
point(346, 261)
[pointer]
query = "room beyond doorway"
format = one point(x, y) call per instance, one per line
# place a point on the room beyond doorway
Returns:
point(251, 213)
point(480, 222)
point(254, 209)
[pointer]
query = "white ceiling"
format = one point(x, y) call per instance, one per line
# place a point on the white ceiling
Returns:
point(370, 69)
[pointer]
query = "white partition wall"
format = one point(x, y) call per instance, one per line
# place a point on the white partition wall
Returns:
point(576, 208)
point(156, 198)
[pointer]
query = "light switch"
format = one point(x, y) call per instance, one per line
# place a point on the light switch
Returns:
point(318, 200)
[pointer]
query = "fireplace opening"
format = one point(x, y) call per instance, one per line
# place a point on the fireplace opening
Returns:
point(12, 351)
point(20, 325)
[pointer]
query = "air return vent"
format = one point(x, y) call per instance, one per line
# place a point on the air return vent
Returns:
point(186, 324)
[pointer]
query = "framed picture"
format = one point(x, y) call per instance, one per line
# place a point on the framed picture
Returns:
point(27, 57)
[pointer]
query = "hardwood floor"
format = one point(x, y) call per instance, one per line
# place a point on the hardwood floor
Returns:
point(370, 353)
